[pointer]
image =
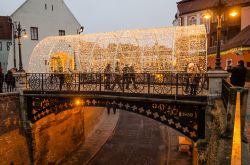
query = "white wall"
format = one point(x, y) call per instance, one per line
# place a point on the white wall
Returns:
point(33, 14)
point(245, 13)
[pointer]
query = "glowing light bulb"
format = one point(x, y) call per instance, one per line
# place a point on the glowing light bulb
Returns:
point(78, 102)
point(207, 16)
point(25, 35)
point(233, 14)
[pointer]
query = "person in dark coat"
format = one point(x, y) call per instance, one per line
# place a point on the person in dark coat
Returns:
point(61, 80)
point(118, 77)
point(132, 76)
point(9, 81)
point(126, 78)
point(238, 76)
point(107, 74)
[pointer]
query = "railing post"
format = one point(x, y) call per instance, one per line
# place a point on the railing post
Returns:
point(176, 85)
point(123, 83)
point(27, 81)
point(79, 81)
point(148, 79)
point(215, 82)
point(21, 82)
point(42, 82)
point(100, 82)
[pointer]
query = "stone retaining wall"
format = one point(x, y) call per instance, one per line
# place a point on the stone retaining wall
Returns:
point(57, 136)
point(13, 146)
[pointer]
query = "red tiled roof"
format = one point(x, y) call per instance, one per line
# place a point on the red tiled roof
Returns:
point(189, 6)
point(240, 40)
point(5, 28)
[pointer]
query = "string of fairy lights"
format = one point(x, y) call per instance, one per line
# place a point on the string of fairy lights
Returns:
point(147, 50)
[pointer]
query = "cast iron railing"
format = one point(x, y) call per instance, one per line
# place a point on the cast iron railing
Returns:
point(143, 83)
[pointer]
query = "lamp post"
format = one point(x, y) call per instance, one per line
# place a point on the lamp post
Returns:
point(18, 35)
point(219, 18)
point(13, 25)
point(219, 11)
point(79, 32)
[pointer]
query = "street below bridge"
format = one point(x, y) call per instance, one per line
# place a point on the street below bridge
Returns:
point(134, 139)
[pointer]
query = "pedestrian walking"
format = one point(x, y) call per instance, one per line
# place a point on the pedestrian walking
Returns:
point(107, 77)
point(126, 78)
point(61, 80)
point(109, 107)
point(118, 77)
point(9, 81)
point(194, 78)
point(132, 76)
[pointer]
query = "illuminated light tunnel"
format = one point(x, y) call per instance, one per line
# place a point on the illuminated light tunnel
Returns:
point(148, 50)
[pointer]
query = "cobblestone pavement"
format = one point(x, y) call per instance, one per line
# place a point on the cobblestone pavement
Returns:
point(139, 140)
point(135, 140)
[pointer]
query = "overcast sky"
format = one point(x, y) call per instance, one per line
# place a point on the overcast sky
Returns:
point(112, 15)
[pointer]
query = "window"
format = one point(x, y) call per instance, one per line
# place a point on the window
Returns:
point(52, 7)
point(61, 32)
point(192, 20)
point(8, 44)
point(34, 33)
point(182, 21)
point(45, 6)
point(1, 46)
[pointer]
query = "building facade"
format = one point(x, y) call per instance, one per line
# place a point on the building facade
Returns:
point(5, 41)
point(40, 19)
point(195, 12)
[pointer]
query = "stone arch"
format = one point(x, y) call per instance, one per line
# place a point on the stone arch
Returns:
point(187, 119)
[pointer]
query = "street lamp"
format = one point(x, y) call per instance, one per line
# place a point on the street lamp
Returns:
point(219, 12)
point(80, 30)
point(18, 35)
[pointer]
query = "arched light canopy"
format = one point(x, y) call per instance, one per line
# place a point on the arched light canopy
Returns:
point(148, 50)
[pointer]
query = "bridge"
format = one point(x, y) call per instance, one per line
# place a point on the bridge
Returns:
point(178, 100)
point(160, 86)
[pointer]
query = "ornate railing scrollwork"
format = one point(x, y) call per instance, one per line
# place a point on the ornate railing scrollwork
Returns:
point(143, 83)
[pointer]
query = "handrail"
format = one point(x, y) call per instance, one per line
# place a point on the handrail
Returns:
point(226, 85)
point(236, 149)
